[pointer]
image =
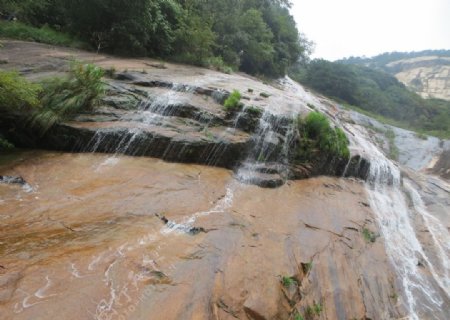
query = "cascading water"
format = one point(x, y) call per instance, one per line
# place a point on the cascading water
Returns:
point(270, 151)
point(426, 292)
point(440, 267)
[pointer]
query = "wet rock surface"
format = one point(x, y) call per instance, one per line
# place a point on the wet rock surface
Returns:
point(176, 114)
point(106, 239)
point(108, 236)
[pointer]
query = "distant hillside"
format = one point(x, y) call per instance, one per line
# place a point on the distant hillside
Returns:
point(426, 72)
point(377, 92)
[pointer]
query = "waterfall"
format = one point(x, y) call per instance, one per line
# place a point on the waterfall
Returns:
point(422, 272)
point(425, 286)
point(267, 163)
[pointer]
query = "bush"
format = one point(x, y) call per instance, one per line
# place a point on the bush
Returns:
point(233, 101)
point(16, 92)
point(45, 34)
point(318, 136)
point(216, 63)
point(5, 144)
point(60, 98)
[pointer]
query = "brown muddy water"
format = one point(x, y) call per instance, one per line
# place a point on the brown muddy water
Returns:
point(89, 242)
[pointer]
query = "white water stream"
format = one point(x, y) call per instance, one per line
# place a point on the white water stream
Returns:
point(425, 285)
point(422, 273)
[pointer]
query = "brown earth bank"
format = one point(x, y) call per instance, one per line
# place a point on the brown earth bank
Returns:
point(111, 237)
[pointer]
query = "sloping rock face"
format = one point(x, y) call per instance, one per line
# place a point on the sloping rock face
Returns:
point(109, 236)
point(177, 114)
point(429, 76)
point(151, 118)
point(89, 243)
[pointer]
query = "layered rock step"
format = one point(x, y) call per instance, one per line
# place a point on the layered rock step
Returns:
point(265, 175)
point(173, 141)
point(144, 116)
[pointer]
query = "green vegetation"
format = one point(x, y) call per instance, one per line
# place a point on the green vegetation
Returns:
point(421, 135)
point(233, 103)
point(381, 61)
point(5, 144)
point(44, 34)
point(257, 37)
point(376, 93)
point(298, 316)
point(314, 310)
point(217, 63)
point(254, 111)
point(16, 92)
point(61, 98)
point(317, 135)
point(288, 281)
point(307, 267)
point(50, 101)
point(369, 236)
point(393, 149)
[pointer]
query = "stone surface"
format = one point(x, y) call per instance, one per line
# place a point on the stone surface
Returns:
point(176, 114)
point(90, 236)
point(429, 76)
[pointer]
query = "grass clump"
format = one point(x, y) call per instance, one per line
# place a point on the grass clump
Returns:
point(298, 316)
point(44, 34)
point(317, 135)
point(288, 281)
point(62, 97)
point(314, 310)
point(254, 111)
point(16, 92)
point(233, 102)
point(369, 236)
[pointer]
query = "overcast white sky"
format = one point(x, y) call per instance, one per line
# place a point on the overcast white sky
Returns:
point(342, 28)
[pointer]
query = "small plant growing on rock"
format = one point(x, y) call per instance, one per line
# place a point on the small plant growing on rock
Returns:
point(317, 308)
point(369, 236)
point(288, 281)
point(254, 111)
point(307, 267)
point(264, 95)
point(317, 135)
point(314, 310)
point(298, 316)
point(233, 101)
